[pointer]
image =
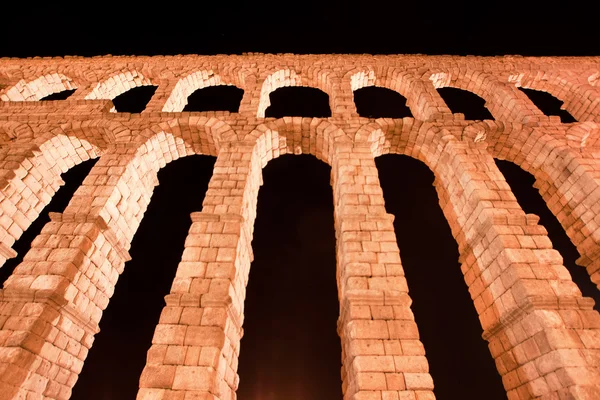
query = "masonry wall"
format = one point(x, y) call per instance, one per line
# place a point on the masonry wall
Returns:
point(543, 335)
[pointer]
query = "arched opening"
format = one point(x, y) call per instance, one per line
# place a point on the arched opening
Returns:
point(215, 98)
point(521, 183)
point(134, 100)
point(380, 102)
point(298, 101)
point(73, 179)
point(548, 104)
point(465, 102)
point(290, 348)
point(63, 95)
point(115, 362)
point(460, 363)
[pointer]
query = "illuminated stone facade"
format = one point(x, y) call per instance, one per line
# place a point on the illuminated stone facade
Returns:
point(543, 335)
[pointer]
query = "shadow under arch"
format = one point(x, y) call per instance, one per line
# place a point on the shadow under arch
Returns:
point(459, 360)
point(298, 101)
point(291, 347)
point(380, 102)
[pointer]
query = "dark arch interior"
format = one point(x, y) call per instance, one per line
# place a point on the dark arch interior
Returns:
point(298, 101)
point(59, 95)
point(215, 98)
point(465, 102)
point(460, 363)
point(548, 104)
point(290, 348)
point(73, 179)
point(115, 362)
point(531, 201)
point(380, 102)
point(134, 100)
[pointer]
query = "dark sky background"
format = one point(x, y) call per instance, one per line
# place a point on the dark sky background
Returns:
point(290, 349)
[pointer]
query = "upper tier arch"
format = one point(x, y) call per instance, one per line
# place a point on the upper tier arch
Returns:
point(194, 81)
point(117, 84)
point(283, 77)
point(38, 88)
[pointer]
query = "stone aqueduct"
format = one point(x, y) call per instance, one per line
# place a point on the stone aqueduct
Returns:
point(543, 335)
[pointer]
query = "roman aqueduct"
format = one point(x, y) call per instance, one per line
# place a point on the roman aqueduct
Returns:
point(543, 334)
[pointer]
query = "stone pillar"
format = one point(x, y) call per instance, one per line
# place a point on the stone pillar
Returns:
point(164, 88)
point(194, 353)
point(83, 90)
point(382, 355)
point(422, 98)
point(543, 335)
point(51, 305)
point(250, 98)
point(342, 102)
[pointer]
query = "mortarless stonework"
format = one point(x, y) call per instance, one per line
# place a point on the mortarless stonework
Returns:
point(543, 335)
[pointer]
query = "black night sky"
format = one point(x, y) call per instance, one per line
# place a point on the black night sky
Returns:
point(290, 349)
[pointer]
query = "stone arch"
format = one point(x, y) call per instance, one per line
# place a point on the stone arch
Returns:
point(582, 101)
point(194, 81)
point(421, 97)
point(422, 141)
point(30, 173)
point(38, 88)
point(118, 84)
point(566, 180)
point(135, 166)
point(288, 76)
point(360, 78)
point(518, 107)
point(297, 135)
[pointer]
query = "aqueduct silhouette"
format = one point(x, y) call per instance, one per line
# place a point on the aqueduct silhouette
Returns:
point(543, 335)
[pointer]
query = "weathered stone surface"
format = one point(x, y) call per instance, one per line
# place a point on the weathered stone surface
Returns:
point(543, 335)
